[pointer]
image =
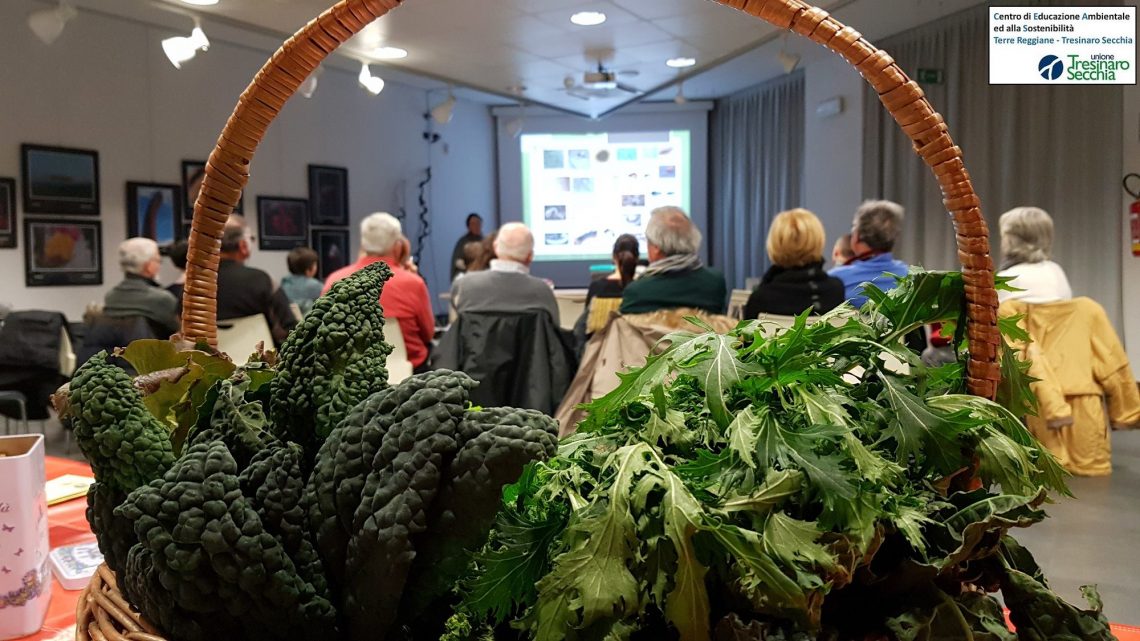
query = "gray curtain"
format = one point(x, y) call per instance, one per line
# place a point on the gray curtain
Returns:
point(1054, 147)
point(757, 151)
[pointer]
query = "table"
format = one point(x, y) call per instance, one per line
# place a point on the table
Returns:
point(67, 525)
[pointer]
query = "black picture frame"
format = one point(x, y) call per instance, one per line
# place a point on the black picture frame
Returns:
point(328, 195)
point(332, 250)
point(60, 180)
point(193, 171)
point(282, 222)
point(154, 211)
point(7, 213)
point(62, 252)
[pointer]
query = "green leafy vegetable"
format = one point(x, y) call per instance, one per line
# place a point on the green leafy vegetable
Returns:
point(814, 481)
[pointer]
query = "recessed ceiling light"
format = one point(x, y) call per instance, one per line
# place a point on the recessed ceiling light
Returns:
point(201, 3)
point(389, 53)
point(681, 63)
point(588, 18)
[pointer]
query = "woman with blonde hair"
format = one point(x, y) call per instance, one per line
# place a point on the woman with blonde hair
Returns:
point(796, 280)
point(1026, 248)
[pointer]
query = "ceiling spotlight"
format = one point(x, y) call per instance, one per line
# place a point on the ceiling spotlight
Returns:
point(789, 60)
point(180, 49)
point(201, 3)
point(371, 83)
point(309, 86)
point(588, 18)
point(389, 53)
point(47, 24)
point(681, 63)
point(443, 112)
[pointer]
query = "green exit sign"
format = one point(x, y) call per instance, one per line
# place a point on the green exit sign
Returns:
point(930, 76)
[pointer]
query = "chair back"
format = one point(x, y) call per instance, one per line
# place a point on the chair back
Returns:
point(570, 307)
point(105, 333)
point(736, 302)
point(240, 337)
point(521, 359)
point(625, 341)
point(399, 367)
point(599, 313)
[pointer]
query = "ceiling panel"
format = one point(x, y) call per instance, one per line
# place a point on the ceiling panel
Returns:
point(492, 45)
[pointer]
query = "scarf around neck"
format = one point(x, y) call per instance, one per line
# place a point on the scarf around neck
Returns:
point(673, 264)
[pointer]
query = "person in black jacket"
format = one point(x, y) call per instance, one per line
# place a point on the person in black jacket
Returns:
point(245, 291)
point(796, 280)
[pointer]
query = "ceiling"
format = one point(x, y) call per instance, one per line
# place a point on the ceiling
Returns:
point(527, 50)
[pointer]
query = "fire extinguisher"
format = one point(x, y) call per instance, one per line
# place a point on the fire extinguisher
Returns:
point(1134, 211)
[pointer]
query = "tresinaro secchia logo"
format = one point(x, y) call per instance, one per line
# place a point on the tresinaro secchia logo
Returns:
point(1050, 67)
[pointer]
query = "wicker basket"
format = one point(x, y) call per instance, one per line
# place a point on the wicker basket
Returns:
point(104, 614)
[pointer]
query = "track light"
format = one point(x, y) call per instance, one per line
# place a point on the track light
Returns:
point(443, 112)
point(309, 86)
point(47, 24)
point(181, 48)
point(372, 84)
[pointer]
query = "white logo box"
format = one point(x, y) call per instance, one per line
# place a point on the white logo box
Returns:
point(25, 576)
point(1041, 45)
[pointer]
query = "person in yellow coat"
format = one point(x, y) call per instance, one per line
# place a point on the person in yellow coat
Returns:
point(1083, 371)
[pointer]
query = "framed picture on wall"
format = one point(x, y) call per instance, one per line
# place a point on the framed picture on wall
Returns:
point(282, 223)
point(332, 250)
point(7, 213)
point(62, 252)
point(154, 210)
point(58, 180)
point(328, 195)
point(193, 172)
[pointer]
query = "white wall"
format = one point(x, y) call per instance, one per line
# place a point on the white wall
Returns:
point(833, 147)
point(1130, 265)
point(105, 85)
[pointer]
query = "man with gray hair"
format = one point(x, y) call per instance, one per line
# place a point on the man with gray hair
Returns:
point(405, 296)
point(138, 294)
point(507, 286)
point(675, 276)
point(874, 230)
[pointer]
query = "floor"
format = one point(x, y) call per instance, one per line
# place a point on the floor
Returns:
point(1095, 538)
point(1091, 539)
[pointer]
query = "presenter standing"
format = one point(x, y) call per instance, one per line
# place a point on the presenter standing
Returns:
point(474, 235)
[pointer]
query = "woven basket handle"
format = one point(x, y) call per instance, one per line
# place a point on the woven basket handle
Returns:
point(228, 168)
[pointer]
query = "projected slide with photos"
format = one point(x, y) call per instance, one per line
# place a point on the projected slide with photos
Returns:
point(581, 191)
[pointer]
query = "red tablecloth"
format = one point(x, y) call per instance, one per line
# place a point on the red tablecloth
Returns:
point(67, 525)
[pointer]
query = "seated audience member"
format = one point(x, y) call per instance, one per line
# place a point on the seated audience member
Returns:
point(675, 276)
point(841, 253)
point(796, 281)
point(245, 291)
point(1026, 245)
point(507, 286)
point(485, 254)
point(874, 231)
point(138, 294)
point(610, 288)
point(177, 254)
point(405, 295)
point(300, 286)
